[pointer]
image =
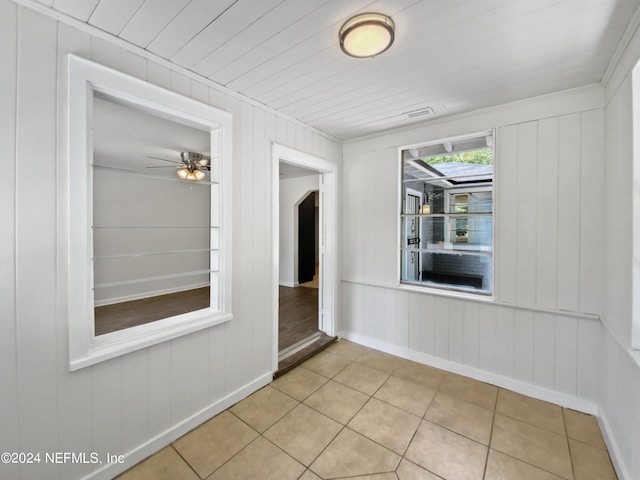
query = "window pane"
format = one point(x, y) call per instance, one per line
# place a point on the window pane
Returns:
point(447, 215)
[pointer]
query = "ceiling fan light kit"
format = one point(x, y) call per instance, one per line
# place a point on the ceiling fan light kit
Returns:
point(186, 174)
point(367, 35)
point(191, 166)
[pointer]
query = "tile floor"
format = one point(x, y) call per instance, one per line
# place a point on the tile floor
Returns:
point(357, 413)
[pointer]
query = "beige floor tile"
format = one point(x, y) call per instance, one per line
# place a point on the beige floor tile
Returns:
point(539, 447)
point(410, 471)
point(326, 364)
point(337, 401)
point(447, 454)
point(214, 442)
point(299, 383)
point(264, 408)
point(309, 475)
point(377, 476)
point(504, 467)
point(462, 417)
point(470, 390)
point(584, 428)
point(409, 396)
point(380, 361)
point(261, 459)
point(164, 465)
point(364, 379)
point(421, 374)
point(591, 463)
point(385, 424)
point(347, 349)
point(352, 454)
point(530, 410)
point(303, 433)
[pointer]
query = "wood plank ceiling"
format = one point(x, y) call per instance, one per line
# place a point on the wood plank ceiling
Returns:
point(451, 55)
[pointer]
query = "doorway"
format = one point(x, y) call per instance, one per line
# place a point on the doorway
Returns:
point(299, 308)
point(304, 257)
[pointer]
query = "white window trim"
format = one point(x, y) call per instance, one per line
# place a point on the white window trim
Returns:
point(635, 210)
point(75, 210)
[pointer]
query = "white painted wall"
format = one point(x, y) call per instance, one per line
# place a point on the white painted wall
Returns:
point(292, 192)
point(559, 327)
point(541, 335)
point(620, 390)
point(137, 403)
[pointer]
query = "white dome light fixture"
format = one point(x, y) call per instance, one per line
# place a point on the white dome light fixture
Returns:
point(367, 35)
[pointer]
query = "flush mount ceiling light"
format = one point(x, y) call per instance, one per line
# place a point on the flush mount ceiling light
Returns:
point(367, 35)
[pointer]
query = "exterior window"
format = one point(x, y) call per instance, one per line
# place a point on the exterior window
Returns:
point(447, 214)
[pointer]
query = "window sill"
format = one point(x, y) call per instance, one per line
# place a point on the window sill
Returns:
point(452, 293)
point(111, 345)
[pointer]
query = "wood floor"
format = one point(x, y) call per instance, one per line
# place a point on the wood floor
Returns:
point(111, 318)
point(298, 312)
point(298, 315)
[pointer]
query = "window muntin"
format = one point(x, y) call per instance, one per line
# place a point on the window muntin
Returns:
point(447, 215)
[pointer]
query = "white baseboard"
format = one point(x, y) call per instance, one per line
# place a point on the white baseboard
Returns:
point(612, 446)
point(518, 386)
point(155, 444)
point(154, 293)
point(289, 284)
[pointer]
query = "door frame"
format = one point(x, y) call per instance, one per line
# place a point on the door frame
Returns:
point(328, 281)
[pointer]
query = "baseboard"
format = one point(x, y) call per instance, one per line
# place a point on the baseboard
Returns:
point(612, 446)
point(289, 284)
point(155, 444)
point(154, 293)
point(524, 388)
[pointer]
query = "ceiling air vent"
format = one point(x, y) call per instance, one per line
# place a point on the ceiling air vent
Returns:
point(420, 113)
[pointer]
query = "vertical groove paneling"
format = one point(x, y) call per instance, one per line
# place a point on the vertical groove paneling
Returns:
point(182, 376)
point(35, 238)
point(135, 369)
point(159, 389)
point(455, 321)
point(569, 213)
point(525, 235)
point(118, 405)
point(523, 339)
point(590, 358)
point(349, 221)
point(506, 180)
point(376, 219)
point(107, 407)
point(473, 323)
point(9, 419)
point(505, 339)
point(547, 214)
point(401, 325)
point(427, 321)
point(592, 211)
point(261, 260)
point(544, 350)
point(487, 338)
point(416, 321)
point(441, 330)
point(566, 378)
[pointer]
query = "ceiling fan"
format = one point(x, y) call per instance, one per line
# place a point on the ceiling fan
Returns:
point(190, 167)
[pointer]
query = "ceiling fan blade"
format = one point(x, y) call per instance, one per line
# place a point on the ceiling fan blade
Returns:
point(165, 160)
point(162, 166)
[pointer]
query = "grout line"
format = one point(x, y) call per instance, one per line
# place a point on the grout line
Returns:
point(183, 459)
point(566, 432)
